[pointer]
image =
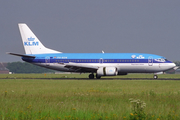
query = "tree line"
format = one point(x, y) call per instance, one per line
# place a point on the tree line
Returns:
point(24, 67)
point(177, 63)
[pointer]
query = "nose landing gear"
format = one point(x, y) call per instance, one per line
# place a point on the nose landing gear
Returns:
point(155, 77)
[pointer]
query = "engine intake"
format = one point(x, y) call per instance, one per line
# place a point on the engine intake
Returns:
point(107, 71)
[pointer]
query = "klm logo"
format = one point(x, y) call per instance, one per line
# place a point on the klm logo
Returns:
point(31, 39)
point(31, 42)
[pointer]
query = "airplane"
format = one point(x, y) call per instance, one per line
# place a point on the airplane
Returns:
point(101, 64)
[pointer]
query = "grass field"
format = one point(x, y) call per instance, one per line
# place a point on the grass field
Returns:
point(87, 99)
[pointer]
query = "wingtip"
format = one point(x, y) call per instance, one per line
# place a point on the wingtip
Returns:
point(7, 52)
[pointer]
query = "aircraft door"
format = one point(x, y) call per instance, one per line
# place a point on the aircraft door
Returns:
point(150, 61)
point(47, 61)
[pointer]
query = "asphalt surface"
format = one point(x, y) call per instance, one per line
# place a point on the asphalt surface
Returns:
point(97, 79)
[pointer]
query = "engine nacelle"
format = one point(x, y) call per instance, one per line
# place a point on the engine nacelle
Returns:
point(107, 71)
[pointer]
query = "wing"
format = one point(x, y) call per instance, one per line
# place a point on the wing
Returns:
point(80, 67)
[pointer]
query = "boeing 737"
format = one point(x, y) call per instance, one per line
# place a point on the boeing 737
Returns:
point(101, 64)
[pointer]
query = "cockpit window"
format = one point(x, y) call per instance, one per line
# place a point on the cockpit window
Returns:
point(161, 59)
point(164, 59)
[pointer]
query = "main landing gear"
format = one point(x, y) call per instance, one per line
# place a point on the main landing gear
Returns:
point(98, 77)
point(91, 76)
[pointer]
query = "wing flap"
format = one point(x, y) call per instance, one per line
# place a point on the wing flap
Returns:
point(80, 67)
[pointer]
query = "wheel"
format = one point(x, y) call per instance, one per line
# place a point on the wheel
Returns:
point(98, 77)
point(91, 76)
point(155, 77)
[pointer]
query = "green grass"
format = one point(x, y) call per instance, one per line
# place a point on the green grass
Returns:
point(86, 99)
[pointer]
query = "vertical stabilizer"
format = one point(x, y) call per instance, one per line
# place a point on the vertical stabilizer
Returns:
point(31, 43)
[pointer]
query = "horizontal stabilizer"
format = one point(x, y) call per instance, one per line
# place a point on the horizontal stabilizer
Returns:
point(21, 55)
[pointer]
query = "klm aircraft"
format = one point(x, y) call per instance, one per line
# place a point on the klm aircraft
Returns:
point(100, 64)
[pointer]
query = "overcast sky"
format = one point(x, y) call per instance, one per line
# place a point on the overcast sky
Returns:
point(90, 26)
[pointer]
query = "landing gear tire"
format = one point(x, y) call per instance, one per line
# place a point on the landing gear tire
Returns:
point(98, 77)
point(91, 76)
point(155, 77)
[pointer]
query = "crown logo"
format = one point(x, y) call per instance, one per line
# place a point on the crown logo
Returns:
point(31, 39)
point(133, 56)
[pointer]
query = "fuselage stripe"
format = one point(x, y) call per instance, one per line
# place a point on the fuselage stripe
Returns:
point(51, 60)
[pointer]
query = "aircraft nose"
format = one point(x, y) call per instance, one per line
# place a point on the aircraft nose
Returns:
point(172, 65)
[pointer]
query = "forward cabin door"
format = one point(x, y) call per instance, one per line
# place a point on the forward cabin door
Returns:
point(150, 61)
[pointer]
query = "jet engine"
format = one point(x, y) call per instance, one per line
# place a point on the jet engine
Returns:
point(107, 71)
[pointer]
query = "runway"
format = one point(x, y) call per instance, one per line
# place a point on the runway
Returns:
point(96, 79)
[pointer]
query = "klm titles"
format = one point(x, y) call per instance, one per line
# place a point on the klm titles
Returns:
point(31, 42)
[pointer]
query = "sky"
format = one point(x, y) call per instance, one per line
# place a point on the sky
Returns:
point(90, 26)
